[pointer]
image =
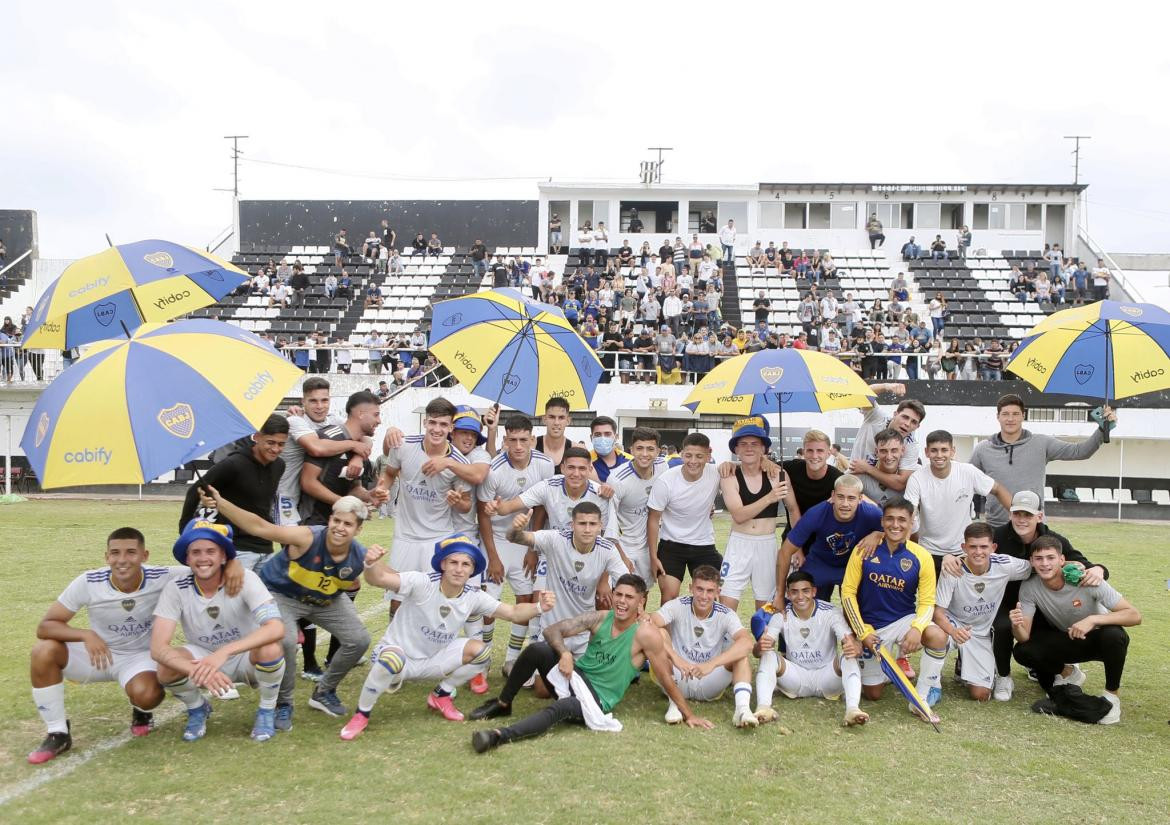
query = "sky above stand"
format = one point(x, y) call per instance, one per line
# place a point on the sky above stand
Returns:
point(115, 112)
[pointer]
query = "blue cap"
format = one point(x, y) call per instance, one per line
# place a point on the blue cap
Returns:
point(458, 543)
point(756, 425)
point(200, 528)
point(466, 418)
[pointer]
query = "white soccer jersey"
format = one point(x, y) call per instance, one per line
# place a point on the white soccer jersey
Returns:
point(685, 505)
point(427, 620)
point(506, 482)
point(213, 622)
point(551, 495)
point(631, 493)
point(293, 453)
point(121, 620)
point(811, 642)
point(468, 523)
point(943, 506)
point(874, 420)
point(573, 575)
point(974, 600)
point(697, 639)
point(423, 513)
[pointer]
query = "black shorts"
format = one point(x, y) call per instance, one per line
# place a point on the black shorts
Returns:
point(678, 558)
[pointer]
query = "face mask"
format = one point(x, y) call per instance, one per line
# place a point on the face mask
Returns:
point(602, 445)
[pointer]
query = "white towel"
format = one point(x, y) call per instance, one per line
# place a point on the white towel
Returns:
point(595, 718)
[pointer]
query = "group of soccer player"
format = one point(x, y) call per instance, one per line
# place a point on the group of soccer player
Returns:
point(580, 535)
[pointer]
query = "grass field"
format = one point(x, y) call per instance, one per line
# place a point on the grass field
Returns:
point(992, 763)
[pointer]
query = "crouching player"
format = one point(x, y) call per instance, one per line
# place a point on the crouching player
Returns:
point(888, 598)
point(229, 638)
point(810, 665)
point(119, 600)
point(423, 641)
point(708, 648)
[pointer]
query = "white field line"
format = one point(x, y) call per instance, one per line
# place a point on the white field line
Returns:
point(67, 764)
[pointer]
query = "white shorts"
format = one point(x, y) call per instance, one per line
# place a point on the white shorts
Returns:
point(640, 556)
point(891, 636)
point(978, 660)
point(238, 668)
point(574, 644)
point(800, 682)
point(512, 557)
point(125, 666)
point(442, 664)
point(707, 689)
point(412, 556)
point(749, 558)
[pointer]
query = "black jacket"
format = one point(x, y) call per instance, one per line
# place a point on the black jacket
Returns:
point(246, 483)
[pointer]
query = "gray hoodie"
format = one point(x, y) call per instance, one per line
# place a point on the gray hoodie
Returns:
point(1022, 464)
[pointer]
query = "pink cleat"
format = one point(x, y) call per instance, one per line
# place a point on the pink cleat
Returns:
point(354, 727)
point(479, 684)
point(444, 705)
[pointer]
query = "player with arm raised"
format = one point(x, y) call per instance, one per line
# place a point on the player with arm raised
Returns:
point(906, 418)
point(517, 468)
point(708, 648)
point(809, 664)
point(119, 601)
point(589, 688)
point(229, 638)
point(423, 641)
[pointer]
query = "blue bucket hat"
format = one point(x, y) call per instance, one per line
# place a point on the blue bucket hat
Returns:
point(755, 426)
point(458, 543)
point(466, 418)
point(199, 528)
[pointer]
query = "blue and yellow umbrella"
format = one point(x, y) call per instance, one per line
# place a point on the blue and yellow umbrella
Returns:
point(1107, 350)
point(779, 380)
point(899, 679)
point(113, 292)
point(131, 409)
point(504, 346)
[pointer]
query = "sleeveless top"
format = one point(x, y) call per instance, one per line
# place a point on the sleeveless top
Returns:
point(314, 578)
point(606, 663)
point(748, 497)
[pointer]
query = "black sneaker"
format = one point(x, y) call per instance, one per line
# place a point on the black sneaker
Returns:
point(491, 709)
point(55, 744)
point(485, 740)
point(141, 722)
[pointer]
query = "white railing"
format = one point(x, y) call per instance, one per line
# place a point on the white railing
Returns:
point(1118, 273)
point(16, 260)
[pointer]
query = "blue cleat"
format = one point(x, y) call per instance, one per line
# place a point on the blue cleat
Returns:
point(933, 696)
point(264, 728)
point(284, 714)
point(197, 722)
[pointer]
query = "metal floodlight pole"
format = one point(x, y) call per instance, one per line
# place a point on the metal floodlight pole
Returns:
point(658, 165)
point(1076, 153)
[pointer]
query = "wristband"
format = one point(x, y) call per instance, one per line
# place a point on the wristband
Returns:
point(539, 608)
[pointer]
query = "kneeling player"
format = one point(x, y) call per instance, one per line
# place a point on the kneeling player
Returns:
point(119, 600)
point(423, 641)
point(888, 597)
point(810, 665)
point(708, 648)
point(966, 606)
point(229, 638)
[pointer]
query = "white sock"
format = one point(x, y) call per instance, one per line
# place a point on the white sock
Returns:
point(742, 691)
point(384, 673)
point(766, 678)
point(50, 702)
point(460, 676)
point(186, 692)
point(515, 642)
point(851, 678)
point(268, 676)
point(930, 669)
point(473, 628)
point(487, 633)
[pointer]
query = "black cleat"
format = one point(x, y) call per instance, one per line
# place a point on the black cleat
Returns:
point(491, 709)
point(54, 745)
point(141, 722)
point(485, 740)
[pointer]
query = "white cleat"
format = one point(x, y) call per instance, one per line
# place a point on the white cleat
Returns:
point(744, 718)
point(1114, 714)
point(855, 716)
point(1003, 687)
point(766, 714)
point(673, 714)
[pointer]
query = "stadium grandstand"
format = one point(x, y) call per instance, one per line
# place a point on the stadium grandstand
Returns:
point(930, 284)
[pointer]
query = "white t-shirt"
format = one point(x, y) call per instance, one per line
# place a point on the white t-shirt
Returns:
point(427, 621)
point(121, 620)
point(507, 482)
point(727, 236)
point(699, 640)
point(631, 492)
point(811, 642)
point(293, 453)
point(600, 238)
point(213, 622)
point(974, 600)
point(1100, 276)
point(874, 420)
point(943, 505)
point(550, 494)
point(423, 513)
point(573, 575)
point(685, 506)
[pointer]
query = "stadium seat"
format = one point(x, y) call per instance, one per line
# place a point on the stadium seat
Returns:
point(1085, 494)
point(1161, 496)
